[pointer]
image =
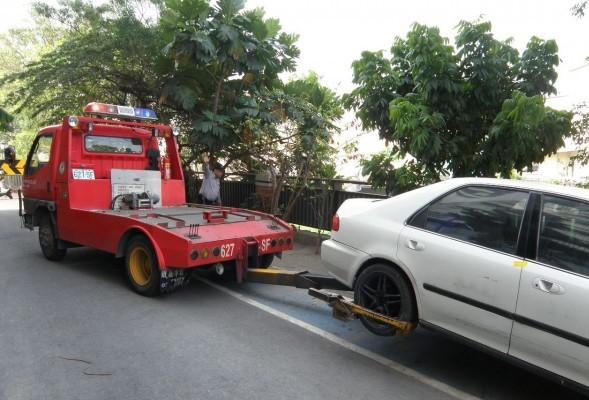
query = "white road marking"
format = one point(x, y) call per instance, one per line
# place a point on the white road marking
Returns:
point(418, 376)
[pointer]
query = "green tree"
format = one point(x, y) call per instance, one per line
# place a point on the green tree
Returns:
point(5, 120)
point(204, 67)
point(226, 62)
point(210, 69)
point(298, 146)
point(104, 53)
point(17, 48)
point(476, 109)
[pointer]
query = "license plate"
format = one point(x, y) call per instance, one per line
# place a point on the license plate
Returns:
point(83, 173)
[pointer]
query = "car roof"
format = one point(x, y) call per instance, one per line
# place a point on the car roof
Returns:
point(571, 191)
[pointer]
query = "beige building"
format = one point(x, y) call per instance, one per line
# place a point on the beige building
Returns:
point(560, 168)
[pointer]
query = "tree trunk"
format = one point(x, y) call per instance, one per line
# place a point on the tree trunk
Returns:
point(217, 96)
point(299, 191)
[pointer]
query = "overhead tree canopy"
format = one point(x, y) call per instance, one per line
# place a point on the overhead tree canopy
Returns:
point(105, 53)
point(210, 69)
point(476, 109)
point(225, 62)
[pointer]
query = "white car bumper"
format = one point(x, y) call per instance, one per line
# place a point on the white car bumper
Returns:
point(342, 261)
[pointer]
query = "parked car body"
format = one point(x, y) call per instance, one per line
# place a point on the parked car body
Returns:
point(500, 264)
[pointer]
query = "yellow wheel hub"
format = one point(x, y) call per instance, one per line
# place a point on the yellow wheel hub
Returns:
point(140, 266)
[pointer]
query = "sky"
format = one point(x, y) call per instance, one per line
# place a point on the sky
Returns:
point(334, 33)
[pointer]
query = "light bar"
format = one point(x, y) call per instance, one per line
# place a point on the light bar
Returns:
point(120, 111)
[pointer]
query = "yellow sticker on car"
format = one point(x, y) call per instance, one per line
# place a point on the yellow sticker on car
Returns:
point(520, 264)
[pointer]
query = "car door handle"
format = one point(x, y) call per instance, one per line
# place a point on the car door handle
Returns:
point(548, 286)
point(414, 245)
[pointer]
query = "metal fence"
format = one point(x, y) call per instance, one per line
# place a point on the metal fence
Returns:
point(314, 207)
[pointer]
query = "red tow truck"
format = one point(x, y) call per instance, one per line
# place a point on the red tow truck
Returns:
point(112, 180)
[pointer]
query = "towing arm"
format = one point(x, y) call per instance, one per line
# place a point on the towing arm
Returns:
point(297, 279)
point(344, 308)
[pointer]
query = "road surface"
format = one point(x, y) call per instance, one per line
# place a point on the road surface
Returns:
point(74, 330)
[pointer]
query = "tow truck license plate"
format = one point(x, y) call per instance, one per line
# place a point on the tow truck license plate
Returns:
point(83, 173)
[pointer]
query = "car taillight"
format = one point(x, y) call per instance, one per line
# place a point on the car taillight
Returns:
point(335, 223)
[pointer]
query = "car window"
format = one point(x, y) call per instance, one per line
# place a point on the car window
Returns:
point(486, 216)
point(40, 155)
point(564, 234)
point(111, 144)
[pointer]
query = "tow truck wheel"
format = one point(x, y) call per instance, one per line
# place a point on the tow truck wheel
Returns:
point(142, 267)
point(383, 289)
point(265, 260)
point(48, 240)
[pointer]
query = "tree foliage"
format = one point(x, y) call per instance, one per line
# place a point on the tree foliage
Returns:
point(473, 109)
point(105, 53)
point(210, 69)
point(5, 120)
point(301, 144)
point(578, 9)
point(225, 61)
point(581, 133)
point(17, 48)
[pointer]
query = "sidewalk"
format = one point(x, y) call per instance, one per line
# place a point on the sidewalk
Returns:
point(302, 258)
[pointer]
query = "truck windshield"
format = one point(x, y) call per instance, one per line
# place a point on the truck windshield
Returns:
point(111, 144)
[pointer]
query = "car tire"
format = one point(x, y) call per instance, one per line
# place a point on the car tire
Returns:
point(48, 239)
point(142, 267)
point(383, 289)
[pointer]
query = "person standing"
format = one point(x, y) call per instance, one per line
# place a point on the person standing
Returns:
point(210, 189)
point(10, 159)
point(8, 192)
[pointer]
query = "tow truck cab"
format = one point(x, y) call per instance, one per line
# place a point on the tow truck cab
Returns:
point(117, 185)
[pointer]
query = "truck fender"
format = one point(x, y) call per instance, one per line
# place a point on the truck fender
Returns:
point(140, 230)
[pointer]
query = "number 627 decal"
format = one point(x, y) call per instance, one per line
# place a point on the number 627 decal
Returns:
point(227, 249)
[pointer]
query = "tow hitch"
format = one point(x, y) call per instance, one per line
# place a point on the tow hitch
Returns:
point(343, 307)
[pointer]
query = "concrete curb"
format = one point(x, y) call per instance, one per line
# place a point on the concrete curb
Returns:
point(309, 238)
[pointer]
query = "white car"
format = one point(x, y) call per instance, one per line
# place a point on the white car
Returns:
point(501, 264)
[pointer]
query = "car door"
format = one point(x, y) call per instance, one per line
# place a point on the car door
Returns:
point(462, 250)
point(551, 328)
point(37, 179)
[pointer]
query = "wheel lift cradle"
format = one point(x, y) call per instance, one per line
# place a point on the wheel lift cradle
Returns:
point(344, 308)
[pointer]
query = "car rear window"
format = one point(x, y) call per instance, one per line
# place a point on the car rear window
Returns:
point(486, 216)
point(112, 144)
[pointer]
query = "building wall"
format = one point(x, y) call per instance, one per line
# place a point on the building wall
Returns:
point(558, 168)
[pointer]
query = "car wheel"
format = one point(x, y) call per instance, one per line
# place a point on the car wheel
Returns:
point(48, 240)
point(142, 267)
point(383, 289)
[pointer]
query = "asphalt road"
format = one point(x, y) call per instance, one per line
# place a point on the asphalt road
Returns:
point(196, 344)
point(73, 330)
